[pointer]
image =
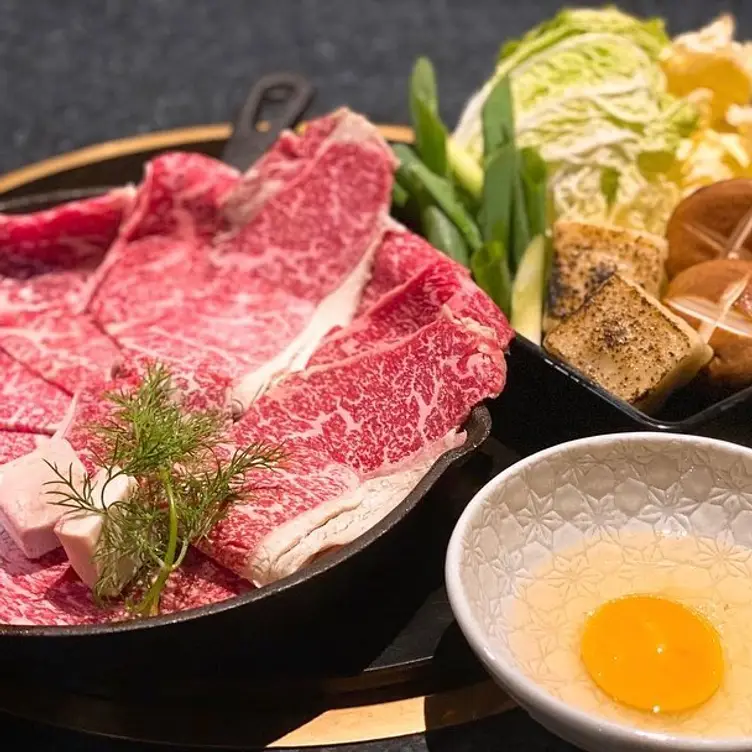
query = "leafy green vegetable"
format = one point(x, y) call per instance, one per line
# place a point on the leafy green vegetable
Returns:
point(528, 291)
point(430, 132)
point(497, 119)
point(650, 35)
point(417, 178)
point(590, 95)
point(520, 238)
point(490, 269)
point(498, 195)
point(442, 234)
point(466, 171)
point(533, 172)
point(183, 488)
point(400, 196)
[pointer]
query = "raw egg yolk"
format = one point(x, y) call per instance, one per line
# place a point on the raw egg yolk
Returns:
point(652, 654)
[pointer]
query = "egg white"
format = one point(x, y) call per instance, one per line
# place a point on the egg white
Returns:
point(712, 576)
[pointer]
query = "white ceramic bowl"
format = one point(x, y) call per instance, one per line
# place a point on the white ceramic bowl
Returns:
point(563, 495)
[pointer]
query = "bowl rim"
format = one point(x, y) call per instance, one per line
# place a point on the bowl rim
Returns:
point(528, 693)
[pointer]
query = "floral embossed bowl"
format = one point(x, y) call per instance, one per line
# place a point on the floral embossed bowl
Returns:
point(554, 535)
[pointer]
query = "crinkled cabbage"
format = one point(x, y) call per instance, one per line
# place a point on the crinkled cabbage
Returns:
point(590, 95)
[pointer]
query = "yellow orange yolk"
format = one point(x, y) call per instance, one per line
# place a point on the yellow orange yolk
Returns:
point(652, 654)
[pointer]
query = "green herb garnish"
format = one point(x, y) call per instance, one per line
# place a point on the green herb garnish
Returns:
point(184, 486)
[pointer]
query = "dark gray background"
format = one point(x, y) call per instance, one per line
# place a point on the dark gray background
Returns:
point(74, 72)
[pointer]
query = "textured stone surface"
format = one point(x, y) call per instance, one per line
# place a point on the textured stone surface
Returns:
point(74, 73)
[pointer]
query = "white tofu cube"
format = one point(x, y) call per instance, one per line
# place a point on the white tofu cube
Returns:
point(79, 531)
point(27, 509)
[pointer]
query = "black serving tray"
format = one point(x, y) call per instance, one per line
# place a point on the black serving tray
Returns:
point(565, 405)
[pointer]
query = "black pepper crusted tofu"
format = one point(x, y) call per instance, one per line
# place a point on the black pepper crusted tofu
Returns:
point(630, 344)
point(585, 255)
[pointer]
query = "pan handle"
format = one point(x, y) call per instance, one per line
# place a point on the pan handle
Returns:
point(278, 100)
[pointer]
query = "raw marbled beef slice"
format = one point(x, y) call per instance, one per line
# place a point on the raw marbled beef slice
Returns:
point(27, 402)
point(398, 313)
point(176, 212)
point(308, 484)
point(316, 239)
point(387, 403)
point(369, 427)
point(275, 286)
point(47, 256)
point(313, 506)
point(274, 170)
point(401, 255)
point(14, 444)
point(47, 592)
point(64, 349)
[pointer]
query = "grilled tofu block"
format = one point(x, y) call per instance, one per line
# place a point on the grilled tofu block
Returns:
point(585, 255)
point(630, 344)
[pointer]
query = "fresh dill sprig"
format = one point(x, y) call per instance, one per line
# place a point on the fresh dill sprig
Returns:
point(184, 487)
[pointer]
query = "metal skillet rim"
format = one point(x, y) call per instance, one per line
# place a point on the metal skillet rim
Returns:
point(478, 422)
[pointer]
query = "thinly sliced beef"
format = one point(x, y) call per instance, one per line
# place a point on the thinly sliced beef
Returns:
point(14, 444)
point(27, 402)
point(398, 313)
point(315, 240)
point(286, 295)
point(270, 174)
point(64, 349)
point(410, 294)
point(160, 253)
point(360, 433)
point(309, 484)
point(312, 505)
point(401, 255)
point(181, 196)
point(47, 257)
point(376, 408)
point(296, 268)
point(48, 592)
point(46, 260)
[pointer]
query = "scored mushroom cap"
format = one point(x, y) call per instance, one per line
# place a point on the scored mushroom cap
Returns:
point(715, 297)
point(713, 222)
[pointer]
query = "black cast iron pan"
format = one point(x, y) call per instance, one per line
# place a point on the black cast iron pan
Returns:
point(173, 654)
